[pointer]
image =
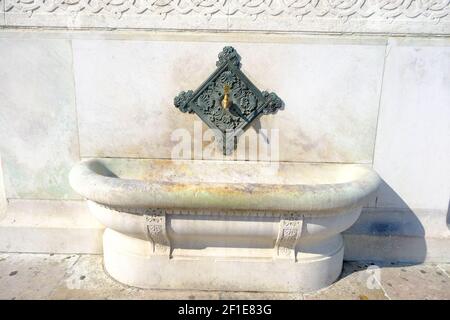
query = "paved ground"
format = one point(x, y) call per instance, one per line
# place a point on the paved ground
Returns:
point(48, 276)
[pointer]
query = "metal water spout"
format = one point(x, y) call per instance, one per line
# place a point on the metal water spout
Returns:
point(228, 101)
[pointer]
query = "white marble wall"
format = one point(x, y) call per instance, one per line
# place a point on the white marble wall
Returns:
point(69, 96)
point(412, 151)
point(38, 127)
point(410, 217)
point(378, 100)
point(3, 201)
point(117, 119)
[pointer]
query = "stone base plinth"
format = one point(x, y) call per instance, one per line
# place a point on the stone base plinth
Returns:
point(130, 261)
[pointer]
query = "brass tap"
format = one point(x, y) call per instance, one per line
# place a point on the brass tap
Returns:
point(226, 102)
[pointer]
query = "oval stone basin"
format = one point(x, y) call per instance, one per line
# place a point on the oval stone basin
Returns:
point(223, 184)
point(223, 225)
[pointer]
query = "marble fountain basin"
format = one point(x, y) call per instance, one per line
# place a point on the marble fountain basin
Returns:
point(223, 225)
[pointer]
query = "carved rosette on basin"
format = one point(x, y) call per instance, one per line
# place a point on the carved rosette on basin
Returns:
point(244, 102)
point(173, 225)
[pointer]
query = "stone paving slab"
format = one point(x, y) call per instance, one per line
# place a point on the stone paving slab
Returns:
point(416, 282)
point(445, 268)
point(87, 280)
point(355, 283)
point(62, 276)
point(32, 276)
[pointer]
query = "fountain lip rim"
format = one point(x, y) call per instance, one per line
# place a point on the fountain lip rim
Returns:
point(93, 180)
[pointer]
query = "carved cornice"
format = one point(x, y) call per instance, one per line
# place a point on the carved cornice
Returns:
point(344, 9)
point(393, 16)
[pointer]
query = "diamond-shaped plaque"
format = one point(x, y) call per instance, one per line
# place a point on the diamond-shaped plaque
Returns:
point(228, 101)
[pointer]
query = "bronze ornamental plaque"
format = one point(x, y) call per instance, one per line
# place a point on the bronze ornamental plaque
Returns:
point(228, 101)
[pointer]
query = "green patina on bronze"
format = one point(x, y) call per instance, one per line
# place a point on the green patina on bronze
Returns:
point(228, 101)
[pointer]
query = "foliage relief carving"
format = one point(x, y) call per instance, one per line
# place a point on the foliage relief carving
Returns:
point(318, 9)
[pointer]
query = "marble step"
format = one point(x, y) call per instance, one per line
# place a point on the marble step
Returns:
point(49, 226)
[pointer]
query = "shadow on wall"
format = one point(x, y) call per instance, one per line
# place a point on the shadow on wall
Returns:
point(387, 234)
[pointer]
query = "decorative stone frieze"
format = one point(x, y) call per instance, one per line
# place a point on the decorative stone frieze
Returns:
point(381, 16)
